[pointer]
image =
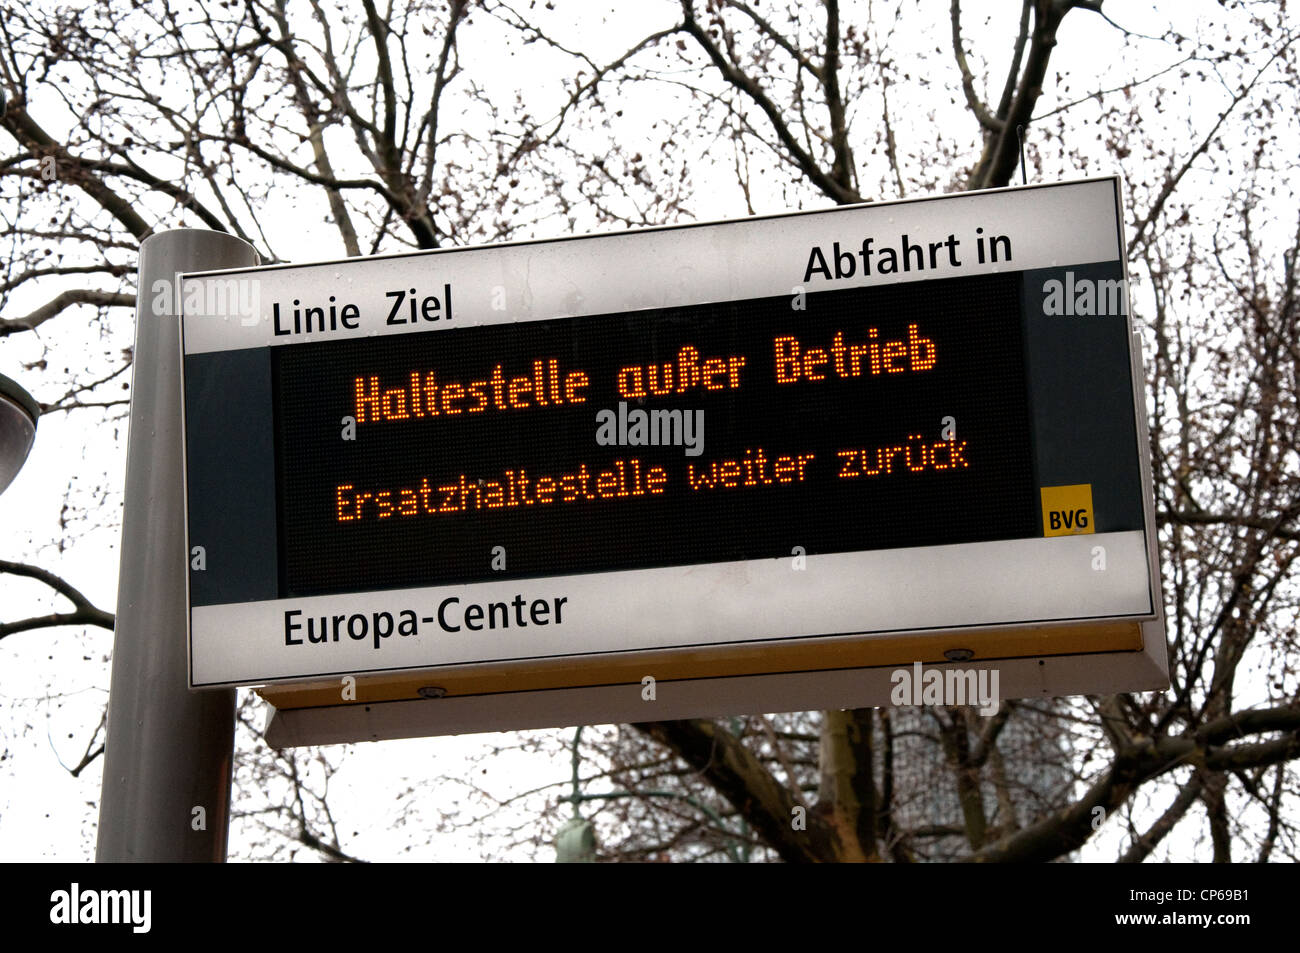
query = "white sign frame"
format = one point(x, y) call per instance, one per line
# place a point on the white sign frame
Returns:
point(248, 643)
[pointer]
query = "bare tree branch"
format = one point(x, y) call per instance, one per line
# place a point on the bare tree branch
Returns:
point(977, 107)
point(85, 612)
point(62, 301)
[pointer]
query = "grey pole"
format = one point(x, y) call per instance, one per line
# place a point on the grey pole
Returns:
point(168, 751)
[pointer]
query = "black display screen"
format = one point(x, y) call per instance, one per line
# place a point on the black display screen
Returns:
point(857, 419)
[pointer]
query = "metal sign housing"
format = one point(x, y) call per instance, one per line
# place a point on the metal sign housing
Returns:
point(805, 442)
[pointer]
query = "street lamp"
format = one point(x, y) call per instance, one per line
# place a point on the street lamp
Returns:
point(18, 414)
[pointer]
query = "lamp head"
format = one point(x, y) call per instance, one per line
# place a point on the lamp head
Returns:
point(18, 416)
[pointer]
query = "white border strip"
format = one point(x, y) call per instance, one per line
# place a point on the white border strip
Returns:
point(676, 266)
point(970, 586)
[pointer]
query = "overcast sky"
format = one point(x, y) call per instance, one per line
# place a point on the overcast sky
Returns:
point(53, 683)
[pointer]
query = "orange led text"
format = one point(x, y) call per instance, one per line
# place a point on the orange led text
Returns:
point(913, 455)
point(426, 395)
point(873, 357)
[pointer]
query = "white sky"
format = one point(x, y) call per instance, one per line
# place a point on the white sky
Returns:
point(53, 682)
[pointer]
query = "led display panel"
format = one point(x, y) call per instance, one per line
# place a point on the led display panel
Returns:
point(903, 418)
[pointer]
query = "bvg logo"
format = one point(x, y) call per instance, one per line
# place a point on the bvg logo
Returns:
point(1068, 520)
point(1067, 510)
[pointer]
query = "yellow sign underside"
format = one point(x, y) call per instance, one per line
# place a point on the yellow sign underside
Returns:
point(714, 662)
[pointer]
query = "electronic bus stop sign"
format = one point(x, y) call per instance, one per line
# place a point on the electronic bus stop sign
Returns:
point(760, 462)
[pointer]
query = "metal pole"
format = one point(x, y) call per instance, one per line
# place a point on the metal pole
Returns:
point(168, 752)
